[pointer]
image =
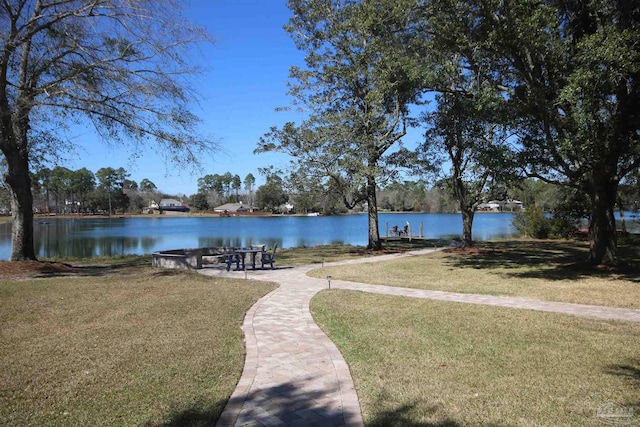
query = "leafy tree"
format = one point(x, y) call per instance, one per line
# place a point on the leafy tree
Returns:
point(111, 189)
point(82, 183)
point(306, 192)
point(199, 201)
point(271, 196)
point(475, 147)
point(120, 65)
point(41, 181)
point(569, 213)
point(59, 184)
point(147, 186)
point(468, 125)
point(129, 185)
point(227, 184)
point(249, 182)
point(148, 192)
point(571, 71)
point(405, 196)
point(236, 185)
point(220, 187)
point(358, 84)
point(207, 183)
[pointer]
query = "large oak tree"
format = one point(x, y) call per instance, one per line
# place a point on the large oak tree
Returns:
point(120, 65)
point(571, 70)
point(360, 78)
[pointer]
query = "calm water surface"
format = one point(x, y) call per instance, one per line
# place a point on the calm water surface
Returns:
point(86, 237)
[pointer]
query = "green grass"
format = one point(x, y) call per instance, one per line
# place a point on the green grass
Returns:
point(434, 363)
point(121, 345)
point(330, 253)
point(544, 270)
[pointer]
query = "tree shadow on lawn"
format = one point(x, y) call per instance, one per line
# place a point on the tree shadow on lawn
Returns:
point(289, 404)
point(194, 417)
point(547, 259)
point(51, 269)
point(630, 371)
point(401, 417)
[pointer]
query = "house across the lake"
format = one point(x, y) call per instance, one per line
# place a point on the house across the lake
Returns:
point(231, 208)
point(499, 206)
point(172, 205)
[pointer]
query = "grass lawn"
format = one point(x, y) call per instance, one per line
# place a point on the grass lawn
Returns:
point(434, 363)
point(329, 253)
point(317, 254)
point(121, 346)
point(544, 270)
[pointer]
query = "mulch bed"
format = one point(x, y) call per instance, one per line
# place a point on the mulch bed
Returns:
point(30, 269)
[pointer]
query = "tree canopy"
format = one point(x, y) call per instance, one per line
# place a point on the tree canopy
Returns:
point(359, 80)
point(119, 65)
point(571, 72)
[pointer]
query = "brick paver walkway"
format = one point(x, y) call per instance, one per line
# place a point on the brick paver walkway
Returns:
point(295, 376)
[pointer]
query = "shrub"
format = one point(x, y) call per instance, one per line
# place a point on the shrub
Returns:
point(532, 223)
point(569, 214)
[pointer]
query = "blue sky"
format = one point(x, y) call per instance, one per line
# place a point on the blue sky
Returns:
point(245, 81)
point(247, 68)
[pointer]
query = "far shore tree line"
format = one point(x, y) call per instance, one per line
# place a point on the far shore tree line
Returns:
point(64, 191)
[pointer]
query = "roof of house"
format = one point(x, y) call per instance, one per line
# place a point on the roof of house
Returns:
point(231, 207)
point(170, 202)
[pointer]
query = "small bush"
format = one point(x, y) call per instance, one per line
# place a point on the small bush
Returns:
point(569, 213)
point(532, 223)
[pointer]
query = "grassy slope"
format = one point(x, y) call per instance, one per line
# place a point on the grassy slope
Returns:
point(143, 346)
point(433, 363)
point(538, 269)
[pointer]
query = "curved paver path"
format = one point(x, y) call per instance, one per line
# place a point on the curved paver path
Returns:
point(295, 376)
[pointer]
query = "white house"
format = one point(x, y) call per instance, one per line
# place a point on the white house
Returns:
point(172, 205)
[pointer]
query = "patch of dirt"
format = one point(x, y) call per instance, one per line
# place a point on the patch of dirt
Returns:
point(31, 269)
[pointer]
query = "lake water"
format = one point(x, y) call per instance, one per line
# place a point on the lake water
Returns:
point(87, 237)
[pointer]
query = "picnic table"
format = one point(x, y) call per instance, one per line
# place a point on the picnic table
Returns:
point(242, 253)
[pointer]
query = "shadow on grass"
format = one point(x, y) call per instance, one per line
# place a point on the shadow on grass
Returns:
point(629, 371)
point(290, 404)
point(194, 417)
point(112, 267)
point(547, 259)
point(401, 417)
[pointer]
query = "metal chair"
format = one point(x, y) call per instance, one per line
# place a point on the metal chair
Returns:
point(269, 257)
point(231, 257)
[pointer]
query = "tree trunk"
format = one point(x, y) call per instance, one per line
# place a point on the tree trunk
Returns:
point(467, 225)
point(603, 242)
point(374, 233)
point(19, 182)
point(467, 209)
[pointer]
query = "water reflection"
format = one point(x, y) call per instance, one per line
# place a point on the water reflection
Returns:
point(60, 238)
point(237, 242)
point(89, 237)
